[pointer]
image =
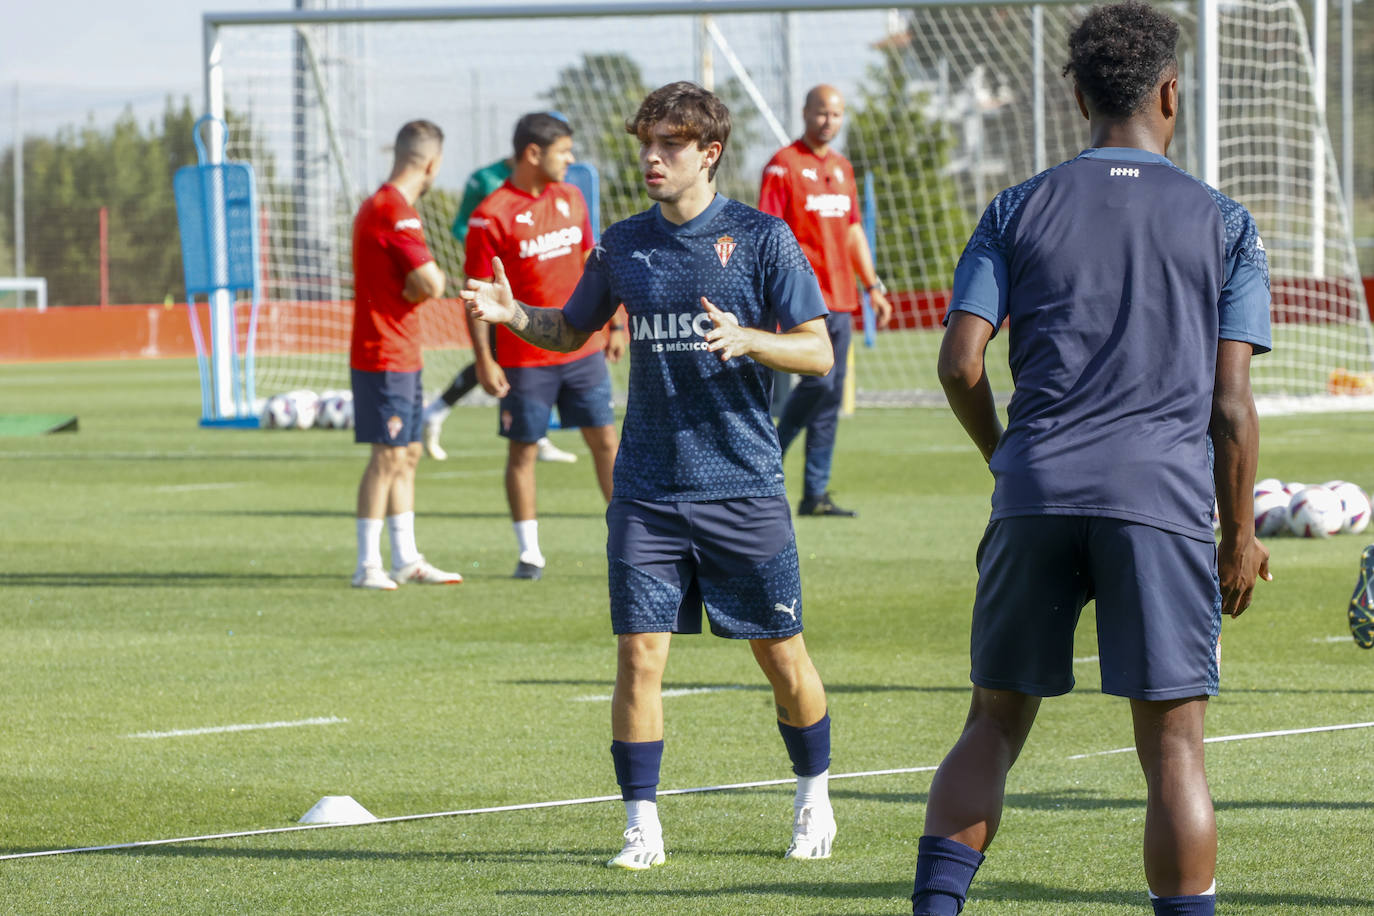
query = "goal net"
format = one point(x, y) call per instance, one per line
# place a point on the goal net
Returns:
point(946, 106)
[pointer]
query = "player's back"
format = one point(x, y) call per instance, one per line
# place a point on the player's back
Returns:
point(1116, 266)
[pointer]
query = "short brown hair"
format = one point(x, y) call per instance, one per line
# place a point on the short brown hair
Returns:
point(417, 142)
point(691, 113)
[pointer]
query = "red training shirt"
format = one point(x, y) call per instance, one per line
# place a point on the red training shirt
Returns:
point(542, 242)
point(815, 196)
point(388, 243)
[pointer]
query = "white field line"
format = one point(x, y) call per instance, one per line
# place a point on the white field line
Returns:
point(1085, 659)
point(530, 806)
point(670, 692)
point(1346, 638)
point(192, 487)
point(1224, 738)
point(454, 475)
point(249, 727)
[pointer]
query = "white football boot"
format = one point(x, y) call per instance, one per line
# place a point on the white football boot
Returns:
point(373, 577)
point(550, 452)
point(420, 572)
point(813, 833)
point(643, 850)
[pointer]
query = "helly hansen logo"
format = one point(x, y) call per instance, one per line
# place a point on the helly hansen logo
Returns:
point(1123, 172)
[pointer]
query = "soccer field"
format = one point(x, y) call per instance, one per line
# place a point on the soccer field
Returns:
point(158, 578)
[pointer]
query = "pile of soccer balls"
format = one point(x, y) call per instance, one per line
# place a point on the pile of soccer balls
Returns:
point(1335, 507)
point(304, 409)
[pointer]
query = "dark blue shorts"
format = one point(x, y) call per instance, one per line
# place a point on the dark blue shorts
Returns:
point(1158, 607)
point(738, 557)
point(581, 389)
point(387, 407)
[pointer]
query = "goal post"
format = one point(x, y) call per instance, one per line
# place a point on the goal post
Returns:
point(947, 103)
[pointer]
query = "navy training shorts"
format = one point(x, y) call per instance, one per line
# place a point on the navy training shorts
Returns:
point(738, 557)
point(581, 389)
point(1158, 607)
point(387, 407)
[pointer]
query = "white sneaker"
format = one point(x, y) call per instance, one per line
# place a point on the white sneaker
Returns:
point(373, 577)
point(420, 572)
point(643, 850)
point(550, 452)
point(813, 833)
point(431, 440)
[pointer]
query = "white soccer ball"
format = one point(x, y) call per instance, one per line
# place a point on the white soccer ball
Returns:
point(1293, 489)
point(1271, 512)
point(307, 407)
point(279, 412)
point(1269, 483)
point(337, 412)
point(1315, 512)
point(1356, 506)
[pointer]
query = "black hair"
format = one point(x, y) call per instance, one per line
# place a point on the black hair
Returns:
point(541, 129)
point(417, 142)
point(1118, 54)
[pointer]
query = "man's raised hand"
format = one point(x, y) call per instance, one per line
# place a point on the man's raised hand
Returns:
point(493, 301)
point(726, 337)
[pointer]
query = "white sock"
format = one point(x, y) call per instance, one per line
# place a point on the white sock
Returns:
point(527, 536)
point(370, 542)
point(402, 529)
point(1210, 892)
point(436, 411)
point(813, 791)
point(643, 814)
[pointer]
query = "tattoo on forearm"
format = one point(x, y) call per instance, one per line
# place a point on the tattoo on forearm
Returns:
point(546, 328)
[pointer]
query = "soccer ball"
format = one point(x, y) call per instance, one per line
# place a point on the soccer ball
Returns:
point(307, 407)
point(337, 412)
point(1293, 489)
point(1269, 483)
point(1271, 512)
point(1315, 512)
point(1355, 503)
point(279, 413)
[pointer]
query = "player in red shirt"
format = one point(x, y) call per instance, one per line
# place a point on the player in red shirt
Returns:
point(393, 273)
point(811, 186)
point(539, 228)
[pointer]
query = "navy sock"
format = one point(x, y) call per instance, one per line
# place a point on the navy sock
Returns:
point(944, 871)
point(636, 768)
point(808, 747)
point(1185, 905)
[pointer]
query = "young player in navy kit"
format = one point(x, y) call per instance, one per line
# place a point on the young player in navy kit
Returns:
point(1135, 296)
point(699, 514)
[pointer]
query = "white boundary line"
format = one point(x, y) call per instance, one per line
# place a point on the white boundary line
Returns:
point(531, 806)
point(1223, 738)
point(220, 729)
point(675, 692)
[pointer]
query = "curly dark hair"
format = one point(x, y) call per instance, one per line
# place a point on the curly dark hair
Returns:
point(692, 113)
point(1118, 54)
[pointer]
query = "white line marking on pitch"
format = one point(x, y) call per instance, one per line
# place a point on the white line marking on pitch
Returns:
point(1333, 639)
point(1223, 738)
point(531, 806)
point(220, 729)
point(1085, 659)
point(671, 692)
point(191, 487)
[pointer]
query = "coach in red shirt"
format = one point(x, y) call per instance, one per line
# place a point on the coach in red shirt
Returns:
point(393, 273)
point(811, 187)
point(535, 231)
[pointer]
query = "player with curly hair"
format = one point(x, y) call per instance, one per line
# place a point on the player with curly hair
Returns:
point(1135, 296)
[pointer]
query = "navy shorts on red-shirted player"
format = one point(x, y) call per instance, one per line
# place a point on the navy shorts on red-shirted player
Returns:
point(1158, 607)
point(581, 389)
point(387, 407)
point(738, 557)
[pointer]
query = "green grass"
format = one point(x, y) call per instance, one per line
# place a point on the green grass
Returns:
point(156, 576)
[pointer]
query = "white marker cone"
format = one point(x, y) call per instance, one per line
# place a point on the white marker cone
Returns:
point(337, 809)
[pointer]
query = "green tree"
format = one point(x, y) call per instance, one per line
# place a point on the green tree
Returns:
point(601, 93)
point(920, 227)
point(126, 169)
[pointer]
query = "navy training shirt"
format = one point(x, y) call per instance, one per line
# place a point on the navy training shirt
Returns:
point(696, 428)
point(1117, 273)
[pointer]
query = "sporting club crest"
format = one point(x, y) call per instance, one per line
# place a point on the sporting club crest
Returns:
point(725, 246)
